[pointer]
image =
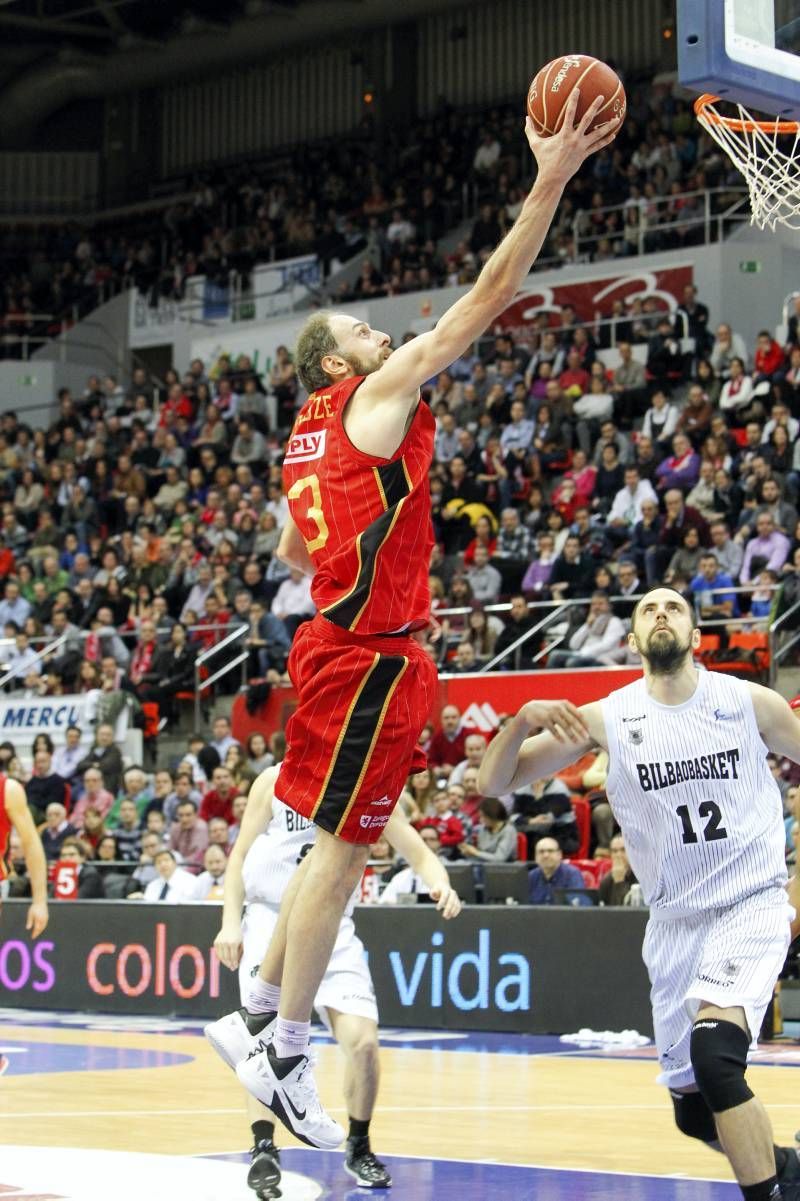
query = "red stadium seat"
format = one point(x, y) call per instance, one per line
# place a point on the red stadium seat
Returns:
point(590, 869)
point(583, 820)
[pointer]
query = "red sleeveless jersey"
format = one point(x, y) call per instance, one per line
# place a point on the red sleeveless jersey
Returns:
point(5, 830)
point(366, 521)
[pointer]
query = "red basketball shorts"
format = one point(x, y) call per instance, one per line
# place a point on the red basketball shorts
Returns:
point(352, 741)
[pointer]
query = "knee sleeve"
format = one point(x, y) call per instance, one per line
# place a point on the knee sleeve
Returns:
point(718, 1052)
point(693, 1117)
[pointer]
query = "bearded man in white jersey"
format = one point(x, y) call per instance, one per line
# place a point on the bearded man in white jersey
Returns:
point(702, 820)
point(271, 841)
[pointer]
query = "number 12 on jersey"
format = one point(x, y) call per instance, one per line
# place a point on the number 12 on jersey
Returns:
point(713, 830)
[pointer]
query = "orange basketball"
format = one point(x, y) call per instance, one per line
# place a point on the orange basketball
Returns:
point(549, 92)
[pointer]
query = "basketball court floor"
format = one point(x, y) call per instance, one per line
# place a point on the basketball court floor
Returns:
point(142, 1108)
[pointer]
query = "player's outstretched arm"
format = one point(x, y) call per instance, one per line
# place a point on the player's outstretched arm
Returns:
point(255, 819)
point(406, 841)
point(292, 551)
point(17, 809)
point(558, 158)
point(777, 722)
point(543, 738)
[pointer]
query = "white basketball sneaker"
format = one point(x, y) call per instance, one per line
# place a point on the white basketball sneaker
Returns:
point(288, 1088)
point(240, 1034)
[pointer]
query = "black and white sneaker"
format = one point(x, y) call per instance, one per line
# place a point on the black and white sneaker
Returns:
point(365, 1168)
point(240, 1034)
point(287, 1087)
point(265, 1169)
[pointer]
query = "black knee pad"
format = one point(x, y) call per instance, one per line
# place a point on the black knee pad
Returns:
point(718, 1052)
point(693, 1117)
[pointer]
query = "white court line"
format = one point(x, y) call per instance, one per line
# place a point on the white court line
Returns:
point(165, 1113)
point(504, 1163)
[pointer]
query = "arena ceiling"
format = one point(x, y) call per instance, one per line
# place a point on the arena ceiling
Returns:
point(56, 51)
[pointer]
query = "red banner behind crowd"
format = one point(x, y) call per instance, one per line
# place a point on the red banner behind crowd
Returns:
point(592, 298)
point(481, 698)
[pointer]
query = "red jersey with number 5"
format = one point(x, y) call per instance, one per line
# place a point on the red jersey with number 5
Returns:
point(366, 521)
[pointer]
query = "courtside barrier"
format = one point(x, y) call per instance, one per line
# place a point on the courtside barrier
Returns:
point(508, 968)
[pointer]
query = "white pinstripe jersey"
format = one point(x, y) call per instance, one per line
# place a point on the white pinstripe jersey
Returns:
point(273, 858)
point(690, 787)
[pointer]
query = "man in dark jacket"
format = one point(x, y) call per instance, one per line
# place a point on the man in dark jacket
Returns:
point(90, 883)
point(106, 755)
point(518, 622)
point(678, 518)
point(171, 671)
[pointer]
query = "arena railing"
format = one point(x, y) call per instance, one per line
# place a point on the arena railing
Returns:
point(559, 610)
point(779, 644)
point(712, 223)
point(46, 650)
point(200, 684)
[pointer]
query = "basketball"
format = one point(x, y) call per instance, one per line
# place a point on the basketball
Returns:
point(551, 87)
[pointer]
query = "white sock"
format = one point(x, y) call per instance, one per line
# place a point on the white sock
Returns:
point(291, 1038)
point(263, 997)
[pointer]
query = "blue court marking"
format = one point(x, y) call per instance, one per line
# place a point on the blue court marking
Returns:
point(776, 1054)
point(462, 1180)
point(34, 1059)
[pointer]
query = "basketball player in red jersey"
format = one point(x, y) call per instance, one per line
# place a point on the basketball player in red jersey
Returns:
point(14, 813)
point(356, 477)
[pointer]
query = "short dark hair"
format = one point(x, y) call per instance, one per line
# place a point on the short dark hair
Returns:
point(74, 842)
point(493, 808)
point(316, 340)
point(188, 801)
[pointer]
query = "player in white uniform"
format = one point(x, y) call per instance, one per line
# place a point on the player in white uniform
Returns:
point(702, 820)
point(272, 840)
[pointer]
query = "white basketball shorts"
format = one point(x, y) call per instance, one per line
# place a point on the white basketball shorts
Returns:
point(346, 986)
point(727, 957)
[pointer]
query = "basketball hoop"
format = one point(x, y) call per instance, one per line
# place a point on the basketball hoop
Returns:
point(768, 155)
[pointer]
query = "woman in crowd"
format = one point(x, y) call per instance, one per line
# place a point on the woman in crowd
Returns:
point(484, 536)
point(482, 631)
point(257, 752)
point(496, 837)
point(418, 795)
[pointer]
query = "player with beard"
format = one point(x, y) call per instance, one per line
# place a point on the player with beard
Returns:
point(703, 824)
point(356, 477)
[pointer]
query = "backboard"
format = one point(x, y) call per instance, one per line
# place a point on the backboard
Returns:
point(746, 51)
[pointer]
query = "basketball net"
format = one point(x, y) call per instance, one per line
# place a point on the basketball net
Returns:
point(768, 155)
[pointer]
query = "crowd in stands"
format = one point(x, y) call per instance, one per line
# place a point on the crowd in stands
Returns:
point(139, 534)
point(166, 836)
point(391, 196)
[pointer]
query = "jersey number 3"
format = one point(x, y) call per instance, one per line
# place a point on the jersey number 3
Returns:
point(713, 831)
point(314, 511)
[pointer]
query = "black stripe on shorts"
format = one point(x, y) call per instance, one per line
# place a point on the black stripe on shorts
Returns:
point(357, 739)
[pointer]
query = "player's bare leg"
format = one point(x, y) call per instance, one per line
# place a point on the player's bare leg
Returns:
point(281, 1076)
point(358, 1039)
point(745, 1131)
point(272, 966)
point(332, 871)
